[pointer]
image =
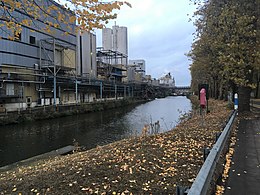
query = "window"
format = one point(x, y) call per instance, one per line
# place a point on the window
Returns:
point(32, 40)
point(9, 89)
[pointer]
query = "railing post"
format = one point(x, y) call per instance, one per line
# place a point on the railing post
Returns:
point(182, 190)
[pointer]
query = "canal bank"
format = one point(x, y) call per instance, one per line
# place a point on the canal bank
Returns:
point(153, 164)
point(49, 112)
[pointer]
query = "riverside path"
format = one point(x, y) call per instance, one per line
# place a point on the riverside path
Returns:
point(244, 176)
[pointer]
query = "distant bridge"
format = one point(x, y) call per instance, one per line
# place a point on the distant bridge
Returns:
point(182, 87)
point(181, 90)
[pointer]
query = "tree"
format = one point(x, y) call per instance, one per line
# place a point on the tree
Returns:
point(228, 31)
point(87, 14)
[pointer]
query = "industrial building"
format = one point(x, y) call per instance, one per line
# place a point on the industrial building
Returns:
point(136, 71)
point(32, 66)
point(167, 81)
point(41, 68)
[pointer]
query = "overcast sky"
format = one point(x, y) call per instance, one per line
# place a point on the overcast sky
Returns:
point(159, 33)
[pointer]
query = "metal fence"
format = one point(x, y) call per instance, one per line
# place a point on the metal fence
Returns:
point(203, 180)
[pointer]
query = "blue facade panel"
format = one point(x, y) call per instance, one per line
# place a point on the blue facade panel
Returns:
point(24, 53)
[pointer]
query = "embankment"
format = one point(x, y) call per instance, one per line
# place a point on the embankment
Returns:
point(47, 112)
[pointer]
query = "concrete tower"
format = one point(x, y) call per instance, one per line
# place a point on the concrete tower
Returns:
point(115, 39)
point(120, 39)
point(107, 38)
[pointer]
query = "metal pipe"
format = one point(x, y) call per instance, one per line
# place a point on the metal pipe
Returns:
point(115, 91)
point(22, 73)
point(101, 90)
point(54, 74)
point(59, 93)
point(76, 91)
point(40, 43)
point(17, 67)
point(20, 81)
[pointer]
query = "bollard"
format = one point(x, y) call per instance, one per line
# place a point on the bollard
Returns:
point(236, 101)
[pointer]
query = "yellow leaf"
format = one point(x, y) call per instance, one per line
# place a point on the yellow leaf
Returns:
point(72, 19)
point(131, 170)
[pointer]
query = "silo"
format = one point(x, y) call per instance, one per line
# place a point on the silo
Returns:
point(120, 37)
point(120, 43)
point(107, 38)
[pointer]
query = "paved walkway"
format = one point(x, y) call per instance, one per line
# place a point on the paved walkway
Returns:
point(244, 176)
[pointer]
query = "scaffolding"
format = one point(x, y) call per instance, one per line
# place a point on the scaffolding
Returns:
point(110, 65)
point(57, 61)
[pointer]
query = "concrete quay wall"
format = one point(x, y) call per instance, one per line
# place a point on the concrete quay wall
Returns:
point(47, 112)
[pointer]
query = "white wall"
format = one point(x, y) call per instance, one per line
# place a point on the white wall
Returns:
point(18, 106)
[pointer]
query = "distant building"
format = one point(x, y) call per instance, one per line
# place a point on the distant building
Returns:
point(139, 66)
point(167, 80)
point(148, 77)
point(115, 39)
point(155, 82)
point(151, 81)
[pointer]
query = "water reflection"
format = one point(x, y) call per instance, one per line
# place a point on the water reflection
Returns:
point(22, 141)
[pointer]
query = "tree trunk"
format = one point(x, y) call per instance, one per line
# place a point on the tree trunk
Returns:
point(220, 97)
point(244, 98)
point(258, 90)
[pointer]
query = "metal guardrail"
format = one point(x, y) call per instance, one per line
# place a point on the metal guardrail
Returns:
point(203, 180)
point(255, 104)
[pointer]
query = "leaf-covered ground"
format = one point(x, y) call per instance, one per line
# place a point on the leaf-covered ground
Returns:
point(153, 164)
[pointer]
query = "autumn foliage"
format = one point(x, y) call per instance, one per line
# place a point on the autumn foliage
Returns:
point(87, 14)
point(226, 53)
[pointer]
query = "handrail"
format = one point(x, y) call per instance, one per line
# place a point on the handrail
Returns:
point(204, 177)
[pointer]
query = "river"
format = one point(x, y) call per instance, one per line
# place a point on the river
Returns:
point(21, 141)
